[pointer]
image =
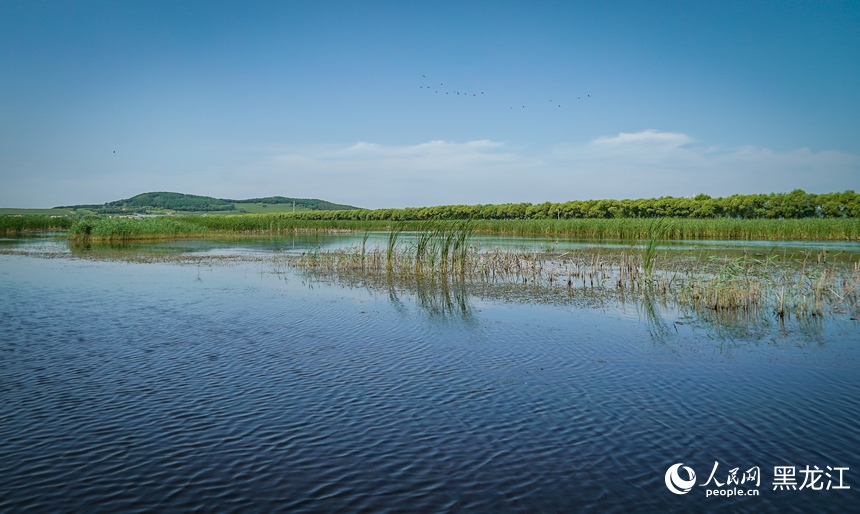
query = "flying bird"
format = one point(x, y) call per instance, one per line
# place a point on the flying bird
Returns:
point(465, 94)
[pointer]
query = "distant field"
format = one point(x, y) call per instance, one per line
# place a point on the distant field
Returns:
point(241, 208)
point(263, 208)
point(35, 212)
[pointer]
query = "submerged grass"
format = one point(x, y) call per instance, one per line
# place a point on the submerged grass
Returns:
point(738, 288)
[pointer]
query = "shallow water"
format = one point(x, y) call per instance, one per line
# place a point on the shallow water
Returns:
point(300, 242)
point(234, 386)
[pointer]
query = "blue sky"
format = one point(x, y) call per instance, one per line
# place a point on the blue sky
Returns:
point(103, 100)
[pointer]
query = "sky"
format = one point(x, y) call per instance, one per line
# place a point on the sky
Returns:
point(398, 103)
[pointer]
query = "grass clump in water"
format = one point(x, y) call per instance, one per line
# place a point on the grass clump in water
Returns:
point(738, 285)
point(436, 250)
point(125, 229)
point(737, 288)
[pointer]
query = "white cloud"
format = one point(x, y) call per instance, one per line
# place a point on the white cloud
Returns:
point(628, 165)
point(651, 137)
point(376, 175)
point(653, 163)
point(649, 163)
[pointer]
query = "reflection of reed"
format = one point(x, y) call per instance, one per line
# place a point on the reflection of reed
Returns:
point(442, 299)
point(142, 252)
point(657, 327)
point(443, 269)
point(118, 251)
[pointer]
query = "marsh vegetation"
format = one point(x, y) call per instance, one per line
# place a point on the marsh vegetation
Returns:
point(441, 261)
point(641, 229)
point(739, 285)
point(777, 216)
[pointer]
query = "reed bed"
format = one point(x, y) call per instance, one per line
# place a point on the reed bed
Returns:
point(17, 224)
point(634, 229)
point(444, 256)
point(743, 287)
point(621, 228)
point(127, 229)
point(808, 229)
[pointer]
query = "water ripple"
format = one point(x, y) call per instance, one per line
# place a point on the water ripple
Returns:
point(140, 388)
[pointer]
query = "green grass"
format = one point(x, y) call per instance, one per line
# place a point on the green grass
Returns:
point(125, 229)
point(434, 251)
point(638, 229)
point(5, 211)
point(15, 224)
point(268, 208)
point(680, 228)
point(657, 231)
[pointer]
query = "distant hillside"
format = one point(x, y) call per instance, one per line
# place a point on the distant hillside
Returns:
point(178, 202)
point(307, 203)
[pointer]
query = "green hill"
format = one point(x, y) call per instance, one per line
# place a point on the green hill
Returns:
point(161, 202)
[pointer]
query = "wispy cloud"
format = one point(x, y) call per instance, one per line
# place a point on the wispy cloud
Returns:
point(648, 163)
point(651, 138)
point(378, 175)
point(655, 163)
point(440, 156)
point(627, 165)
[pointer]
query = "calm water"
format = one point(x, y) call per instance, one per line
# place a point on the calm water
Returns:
point(226, 387)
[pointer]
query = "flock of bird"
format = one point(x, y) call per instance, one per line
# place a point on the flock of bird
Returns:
point(440, 89)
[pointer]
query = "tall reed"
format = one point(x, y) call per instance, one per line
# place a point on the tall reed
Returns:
point(16, 224)
point(737, 287)
point(631, 229)
point(657, 231)
point(393, 236)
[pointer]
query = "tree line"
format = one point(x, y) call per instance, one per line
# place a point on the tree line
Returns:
point(794, 205)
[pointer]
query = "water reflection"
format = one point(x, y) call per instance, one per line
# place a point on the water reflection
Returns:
point(303, 241)
point(658, 329)
point(441, 299)
point(589, 280)
point(666, 322)
point(251, 387)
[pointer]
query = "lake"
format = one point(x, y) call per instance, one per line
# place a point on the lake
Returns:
point(229, 383)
